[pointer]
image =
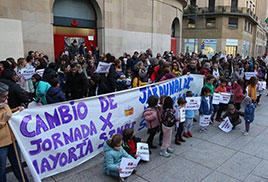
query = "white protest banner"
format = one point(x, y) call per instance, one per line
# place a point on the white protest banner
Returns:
point(248, 75)
point(128, 165)
point(27, 73)
point(204, 120)
point(103, 67)
point(216, 98)
point(40, 72)
point(226, 125)
point(225, 98)
point(143, 151)
point(58, 137)
point(261, 85)
point(193, 103)
point(182, 115)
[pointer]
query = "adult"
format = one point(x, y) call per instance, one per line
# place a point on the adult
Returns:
point(83, 49)
point(191, 68)
point(41, 89)
point(73, 49)
point(133, 61)
point(7, 139)
point(50, 73)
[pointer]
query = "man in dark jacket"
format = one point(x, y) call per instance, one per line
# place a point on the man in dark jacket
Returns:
point(73, 49)
point(55, 93)
point(191, 68)
point(133, 61)
point(76, 83)
point(16, 95)
point(50, 73)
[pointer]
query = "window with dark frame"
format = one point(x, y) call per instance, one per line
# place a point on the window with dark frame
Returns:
point(211, 22)
point(191, 23)
point(233, 23)
point(245, 27)
point(193, 2)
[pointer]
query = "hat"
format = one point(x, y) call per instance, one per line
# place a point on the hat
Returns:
point(3, 88)
point(247, 101)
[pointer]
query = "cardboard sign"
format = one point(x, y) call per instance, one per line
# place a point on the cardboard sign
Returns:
point(128, 165)
point(27, 73)
point(143, 151)
point(40, 72)
point(182, 115)
point(261, 85)
point(225, 98)
point(204, 120)
point(216, 98)
point(193, 103)
point(103, 67)
point(248, 75)
point(226, 125)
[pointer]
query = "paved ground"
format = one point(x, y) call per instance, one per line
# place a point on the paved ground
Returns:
point(211, 157)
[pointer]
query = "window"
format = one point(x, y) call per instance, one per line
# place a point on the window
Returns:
point(233, 23)
point(211, 22)
point(248, 27)
point(193, 2)
point(234, 5)
point(245, 27)
point(191, 23)
point(247, 4)
point(211, 5)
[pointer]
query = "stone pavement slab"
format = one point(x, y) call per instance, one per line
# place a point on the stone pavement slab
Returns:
point(218, 177)
point(253, 178)
point(261, 170)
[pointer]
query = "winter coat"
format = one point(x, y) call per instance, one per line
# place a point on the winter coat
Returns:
point(191, 70)
point(252, 92)
point(152, 117)
point(55, 95)
point(221, 89)
point(49, 74)
point(41, 90)
point(238, 93)
point(132, 62)
point(239, 74)
point(167, 77)
point(112, 158)
point(73, 50)
point(205, 72)
point(205, 107)
point(168, 117)
point(77, 84)
point(155, 73)
point(249, 113)
point(6, 135)
point(210, 86)
point(233, 117)
point(16, 95)
point(126, 146)
point(138, 83)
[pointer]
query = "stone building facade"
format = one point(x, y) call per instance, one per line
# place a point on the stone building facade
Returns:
point(114, 26)
point(229, 26)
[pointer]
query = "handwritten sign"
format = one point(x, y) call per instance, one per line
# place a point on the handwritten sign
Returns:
point(261, 85)
point(193, 103)
point(226, 125)
point(128, 165)
point(204, 120)
point(40, 72)
point(27, 73)
point(216, 98)
point(143, 151)
point(103, 67)
point(182, 115)
point(248, 75)
point(225, 98)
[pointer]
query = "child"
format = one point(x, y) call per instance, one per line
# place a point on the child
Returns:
point(189, 116)
point(252, 89)
point(248, 114)
point(113, 154)
point(238, 93)
point(152, 116)
point(179, 125)
point(260, 90)
point(162, 99)
point(209, 83)
point(233, 115)
point(222, 107)
point(130, 141)
point(206, 107)
point(55, 93)
point(168, 121)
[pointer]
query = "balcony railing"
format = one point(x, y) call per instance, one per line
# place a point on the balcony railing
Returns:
point(222, 10)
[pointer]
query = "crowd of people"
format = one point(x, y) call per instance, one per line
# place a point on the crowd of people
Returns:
point(73, 76)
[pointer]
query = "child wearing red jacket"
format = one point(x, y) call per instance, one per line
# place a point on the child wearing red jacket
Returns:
point(238, 93)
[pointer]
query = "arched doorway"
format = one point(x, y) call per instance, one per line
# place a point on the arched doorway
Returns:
point(75, 20)
point(175, 36)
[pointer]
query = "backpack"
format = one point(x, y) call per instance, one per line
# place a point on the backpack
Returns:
point(168, 118)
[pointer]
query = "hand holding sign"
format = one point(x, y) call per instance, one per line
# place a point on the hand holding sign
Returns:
point(216, 98)
point(226, 125)
point(193, 103)
point(127, 166)
point(143, 151)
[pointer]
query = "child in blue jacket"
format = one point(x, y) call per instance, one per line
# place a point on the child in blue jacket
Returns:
point(248, 114)
point(206, 107)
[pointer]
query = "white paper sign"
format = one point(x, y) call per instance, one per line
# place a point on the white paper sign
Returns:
point(248, 75)
point(27, 73)
point(261, 85)
point(128, 165)
point(143, 151)
point(193, 103)
point(182, 115)
point(226, 125)
point(103, 67)
point(216, 98)
point(204, 120)
point(225, 98)
point(40, 72)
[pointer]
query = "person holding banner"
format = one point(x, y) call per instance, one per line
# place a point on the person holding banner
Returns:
point(233, 115)
point(8, 146)
point(206, 107)
point(113, 154)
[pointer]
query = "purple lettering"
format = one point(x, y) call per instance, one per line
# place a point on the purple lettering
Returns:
point(55, 137)
point(74, 111)
point(103, 136)
point(23, 127)
point(38, 147)
point(54, 120)
point(72, 155)
point(85, 131)
point(93, 129)
point(36, 166)
point(46, 145)
point(111, 100)
point(40, 124)
point(45, 165)
point(106, 122)
point(89, 147)
point(104, 104)
point(64, 114)
point(82, 115)
point(80, 146)
point(77, 134)
point(55, 159)
point(68, 138)
point(111, 133)
point(63, 159)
